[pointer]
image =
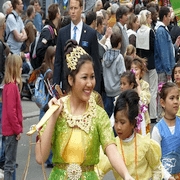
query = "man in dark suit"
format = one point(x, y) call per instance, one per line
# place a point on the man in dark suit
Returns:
point(86, 38)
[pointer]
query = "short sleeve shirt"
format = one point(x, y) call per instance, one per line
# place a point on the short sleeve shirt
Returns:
point(12, 24)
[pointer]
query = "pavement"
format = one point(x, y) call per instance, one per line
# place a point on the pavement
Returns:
point(30, 109)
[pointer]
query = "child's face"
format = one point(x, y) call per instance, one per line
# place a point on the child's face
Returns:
point(122, 125)
point(124, 84)
point(171, 103)
point(138, 72)
point(177, 75)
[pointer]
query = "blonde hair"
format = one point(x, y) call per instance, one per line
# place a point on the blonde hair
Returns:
point(2, 19)
point(130, 50)
point(13, 65)
point(144, 14)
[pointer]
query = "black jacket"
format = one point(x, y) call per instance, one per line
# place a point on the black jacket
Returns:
point(149, 54)
point(48, 37)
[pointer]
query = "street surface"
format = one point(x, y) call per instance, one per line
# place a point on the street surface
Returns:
point(30, 114)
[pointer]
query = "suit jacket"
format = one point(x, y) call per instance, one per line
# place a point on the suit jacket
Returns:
point(88, 41)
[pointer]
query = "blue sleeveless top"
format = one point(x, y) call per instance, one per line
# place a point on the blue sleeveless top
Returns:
point(170, 146)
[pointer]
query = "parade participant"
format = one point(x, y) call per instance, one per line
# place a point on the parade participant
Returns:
point(78, 128)
point(138, 66)
point(141, 154)
point(167, 132)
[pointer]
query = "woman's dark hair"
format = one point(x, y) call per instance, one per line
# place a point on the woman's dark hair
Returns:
point(70, 44)
point(130, 77)
point(129, 102)
point(177, 65)
point(165, 89)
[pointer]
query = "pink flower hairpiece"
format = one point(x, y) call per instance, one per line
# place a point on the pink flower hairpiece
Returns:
point(139, 118)
point(133, 71)
point(160, 85)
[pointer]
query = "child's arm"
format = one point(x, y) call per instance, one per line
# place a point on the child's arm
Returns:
point(156, 135)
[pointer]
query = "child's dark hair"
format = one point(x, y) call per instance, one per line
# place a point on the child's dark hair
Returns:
point(165, 89)
point(177, 65)
point(128, 61)
point(128, 101)
point(130, 77)
point(115, 40)
point(70, 44)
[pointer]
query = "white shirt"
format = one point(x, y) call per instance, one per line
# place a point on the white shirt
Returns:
point(78, 30)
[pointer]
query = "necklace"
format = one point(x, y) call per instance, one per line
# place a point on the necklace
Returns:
point(135, 154)
point(82, 121)
point(170, 119)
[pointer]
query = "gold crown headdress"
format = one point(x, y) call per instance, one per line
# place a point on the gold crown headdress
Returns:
point(72, 57)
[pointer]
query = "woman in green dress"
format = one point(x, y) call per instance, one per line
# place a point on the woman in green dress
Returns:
point(79, 127)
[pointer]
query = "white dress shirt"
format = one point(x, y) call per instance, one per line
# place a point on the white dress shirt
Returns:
point(78, 30)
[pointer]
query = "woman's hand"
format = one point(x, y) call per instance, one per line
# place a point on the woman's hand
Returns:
point(55, 101)
point(58, 102)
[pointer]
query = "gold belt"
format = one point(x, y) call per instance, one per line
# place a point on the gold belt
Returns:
point(74, 171)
